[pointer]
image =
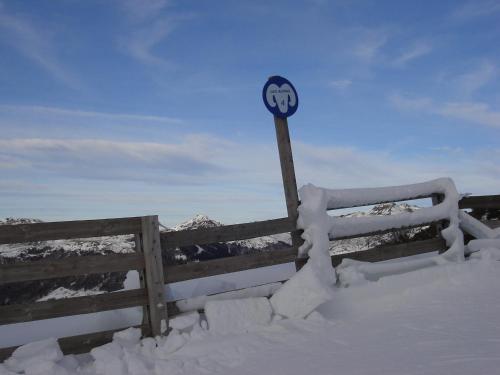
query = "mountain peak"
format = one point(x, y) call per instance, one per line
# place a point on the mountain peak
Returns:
point(198, 221)
point(392, 208)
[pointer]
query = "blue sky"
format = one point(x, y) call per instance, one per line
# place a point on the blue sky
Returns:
point(127, 108)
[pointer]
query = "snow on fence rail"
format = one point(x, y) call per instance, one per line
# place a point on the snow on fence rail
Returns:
point(148, 238)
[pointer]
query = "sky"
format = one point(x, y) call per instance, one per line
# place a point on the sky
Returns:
point(154, 107)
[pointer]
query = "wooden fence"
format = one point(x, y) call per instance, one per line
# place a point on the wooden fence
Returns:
point(146, 259)
point(153, 274)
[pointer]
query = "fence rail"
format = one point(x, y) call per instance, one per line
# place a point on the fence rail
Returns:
point(72, 306)
point(147, 260)
point(202, 236)
point(68, 229)
point(480, 201)
point(71, 266)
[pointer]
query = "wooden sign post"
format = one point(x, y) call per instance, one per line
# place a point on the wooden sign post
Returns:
point(281, 99)
point(288, 175)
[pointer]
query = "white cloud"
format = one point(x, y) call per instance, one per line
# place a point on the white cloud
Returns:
point(221, 164)
point(472, 81)
point(106, 159)
point(340, 84)
point(474, 9)
point(479, 113)
point(367, 43)
point(149, 25)
point(75, 113)
point(405, 103)
point(142, 10)
point(472, 112)
point(418, 50)
point(35, 44)
point(141, 42)
point(232, 181)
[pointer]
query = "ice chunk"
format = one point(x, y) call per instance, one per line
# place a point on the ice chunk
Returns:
point(300, 295)
point(476, 228)
point(128, 337)
point(108, 359)
point(185, 321)
point(237, 315)
point(199, 302)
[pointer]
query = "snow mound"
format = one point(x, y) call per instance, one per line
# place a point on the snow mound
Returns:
point(237, 315)
point(312, 285)
point(33, 357)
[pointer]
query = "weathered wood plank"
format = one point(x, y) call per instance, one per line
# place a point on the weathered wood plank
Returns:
point(72, 306)
point(171, 240)
point(374, 202)
point(71, 266)
point(480, 201)
point(387, 252)
point(77, 344)
point(154, 274)
point(68, 229)
point(227, 265)
point(174, 310)
point(288, 176)
point(366, 234)
point(492, 223)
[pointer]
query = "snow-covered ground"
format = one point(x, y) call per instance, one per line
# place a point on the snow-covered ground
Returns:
point(439, 320)
point(431, 314)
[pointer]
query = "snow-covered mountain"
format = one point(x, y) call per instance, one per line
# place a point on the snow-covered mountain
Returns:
point(219, 250)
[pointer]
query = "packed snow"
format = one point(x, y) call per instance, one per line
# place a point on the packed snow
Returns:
point(238, 315)
point(438, 320)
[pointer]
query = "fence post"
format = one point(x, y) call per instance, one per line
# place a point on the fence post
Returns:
point(146, 329)
point(157, 304)
point(438, 227)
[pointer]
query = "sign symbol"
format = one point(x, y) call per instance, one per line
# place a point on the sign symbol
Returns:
point(280, 97)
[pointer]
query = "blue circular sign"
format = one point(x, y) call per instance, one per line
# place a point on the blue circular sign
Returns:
point(280, 97)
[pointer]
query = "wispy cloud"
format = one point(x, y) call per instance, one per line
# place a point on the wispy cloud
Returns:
point(108, 160)
point(418, 50)
point(35, 44)
point(474, 9)
point(475, 79)
point(406, 103)
point(75, 113)
point(149, 25)
point(340, 84)
point(233, 181)
point(368, 43)
point(471, 112)
point(479, 113)
point(143, 10)
point(201, 160)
